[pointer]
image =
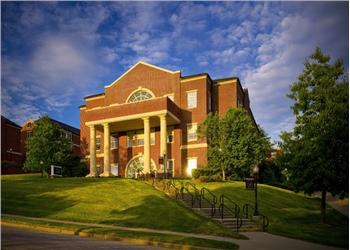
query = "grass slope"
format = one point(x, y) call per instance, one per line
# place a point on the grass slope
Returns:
point(293, 215)
point(121, 202)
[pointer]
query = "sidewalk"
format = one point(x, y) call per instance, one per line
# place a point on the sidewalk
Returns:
point(257, 240)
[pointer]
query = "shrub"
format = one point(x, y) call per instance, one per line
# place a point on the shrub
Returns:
point(204, 178)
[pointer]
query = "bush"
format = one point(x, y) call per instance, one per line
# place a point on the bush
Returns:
point(198, 172)
point(204, 178)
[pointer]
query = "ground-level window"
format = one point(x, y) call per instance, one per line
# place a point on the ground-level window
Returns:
point(170, 167)
point(114, 141)
point(98, 169)
point(191, 164)
point(114, 169)
point(98, 142)
point(192, 132)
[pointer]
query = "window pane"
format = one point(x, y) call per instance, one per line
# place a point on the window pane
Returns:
point(192, 99)
point(139, 96)
point(192, 132)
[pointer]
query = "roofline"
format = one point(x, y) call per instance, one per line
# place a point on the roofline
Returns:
point(82, 106)
point(90, 96)
point(11, 122)
point(144, 63)
point(196, 75)
point(226, 79)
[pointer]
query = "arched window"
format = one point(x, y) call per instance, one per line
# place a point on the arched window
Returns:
point(140, 95)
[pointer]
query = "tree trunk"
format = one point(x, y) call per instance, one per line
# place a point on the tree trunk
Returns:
point(323, 207)
point(223, 174)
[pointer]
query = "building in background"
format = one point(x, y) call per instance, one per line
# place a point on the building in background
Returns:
point(150, 112)
point(73, 134)
point(11, 152)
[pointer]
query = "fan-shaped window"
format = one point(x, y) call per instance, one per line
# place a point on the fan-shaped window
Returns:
point(140, 95)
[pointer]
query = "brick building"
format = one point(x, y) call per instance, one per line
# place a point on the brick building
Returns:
point(11, 142)
point(73, 134)
point(149, 112)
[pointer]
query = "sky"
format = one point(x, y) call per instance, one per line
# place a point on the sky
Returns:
point(55, 53)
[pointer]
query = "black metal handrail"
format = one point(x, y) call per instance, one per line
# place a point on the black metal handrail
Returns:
point(193, 196)
point(224, 202)
point(170, 185)
point(265, 220)
point(212, 200)
point(189, 185)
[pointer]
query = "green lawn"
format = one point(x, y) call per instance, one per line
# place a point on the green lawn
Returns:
point(292, 215)
point(115, 201)
point(122, 234)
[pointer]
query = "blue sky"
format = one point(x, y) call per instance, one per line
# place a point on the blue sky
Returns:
point(55, 53)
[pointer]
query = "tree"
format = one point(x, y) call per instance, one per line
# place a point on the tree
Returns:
point(235, 144)
point(316, 153)
point(47, 145)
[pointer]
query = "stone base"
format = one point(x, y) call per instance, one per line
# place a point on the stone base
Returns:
point(105, 175)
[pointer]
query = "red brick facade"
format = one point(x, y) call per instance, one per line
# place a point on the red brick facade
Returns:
point(168, 95)
point(73, 133)
point(11, 142)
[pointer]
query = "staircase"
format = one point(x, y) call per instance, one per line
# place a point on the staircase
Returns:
point(222, 209)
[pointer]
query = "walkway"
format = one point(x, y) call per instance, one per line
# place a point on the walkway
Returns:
point(22, 239)
point(257, 240)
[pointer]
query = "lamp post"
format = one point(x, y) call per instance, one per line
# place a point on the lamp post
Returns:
point(256, 174)
point(41, 168)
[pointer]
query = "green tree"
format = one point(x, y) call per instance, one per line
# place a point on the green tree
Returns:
point(47, 145)
point(316, 153)
point(235, 144)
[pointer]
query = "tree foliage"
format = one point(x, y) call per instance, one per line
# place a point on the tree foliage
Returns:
point(235, 144)
point(47, 145)
point(316, 153)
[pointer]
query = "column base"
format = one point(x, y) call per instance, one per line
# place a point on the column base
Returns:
point(90, 175)
point(105, 174)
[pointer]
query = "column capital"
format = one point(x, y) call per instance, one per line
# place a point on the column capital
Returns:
point(162, 116)
point(91, 126)
point(105, 124)
point(145, 118)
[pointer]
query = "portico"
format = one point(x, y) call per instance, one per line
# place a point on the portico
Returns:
point(159, 118)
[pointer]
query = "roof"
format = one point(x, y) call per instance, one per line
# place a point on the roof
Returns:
point(226, 79)
point(89, 96)
point(66, 127)
point(195, 75)
point(8, 121)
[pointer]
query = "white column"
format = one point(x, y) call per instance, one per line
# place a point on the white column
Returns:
point(146, 145)
point(163, 131)
point(106, 151)
point(92, 151)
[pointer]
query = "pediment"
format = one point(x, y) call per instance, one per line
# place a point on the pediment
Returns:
point(138, 65)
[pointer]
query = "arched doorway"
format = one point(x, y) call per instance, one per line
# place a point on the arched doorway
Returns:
point(135, 166)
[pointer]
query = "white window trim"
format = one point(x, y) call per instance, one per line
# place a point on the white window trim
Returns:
point(192, 91)
point(191, 158)
point(173, 160)
point(98, 136)
point(191, 124)
point(117, 138)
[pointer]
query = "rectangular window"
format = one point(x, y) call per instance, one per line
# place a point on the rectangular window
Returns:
point(67, 135)
point(192, 132)
point(114, 169)
point(114, 141)
point(29, 134)
point(98, 169)
point(153, 136)
point(98, 143)
point(170, 135)
point(191, 99)
point(191, 164)
point(170, 167)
